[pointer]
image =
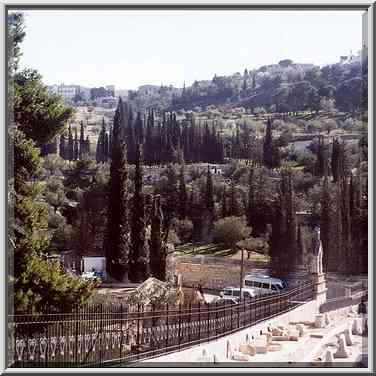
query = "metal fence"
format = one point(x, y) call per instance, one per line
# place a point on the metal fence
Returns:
point(345, 301)
point(111, 334)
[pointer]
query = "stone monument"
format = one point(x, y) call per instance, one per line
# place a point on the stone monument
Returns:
point(316, 268)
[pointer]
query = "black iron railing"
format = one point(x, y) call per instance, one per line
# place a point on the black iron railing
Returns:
point(109, 334)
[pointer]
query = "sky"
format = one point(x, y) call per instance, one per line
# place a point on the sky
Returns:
point(132, 48)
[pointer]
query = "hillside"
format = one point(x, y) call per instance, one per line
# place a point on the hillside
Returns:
point(283, 87)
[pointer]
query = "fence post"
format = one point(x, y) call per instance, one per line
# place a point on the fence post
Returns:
point(190, 320)
point(167, 314)
point(101, 335)
point(138, 325)
point(231, 316)
point(238, 309)
point(199, 321)
point(244, 312)
point(208, 326)
point(216, 319)
point(179, 325)
point(76, 339)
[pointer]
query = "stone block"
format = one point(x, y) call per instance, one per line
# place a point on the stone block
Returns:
point(342, 351)
point(357, 327)
point(205, 359)
point(328, 356)
point(274, 347)
point(261, 349)
point(300, 329)
point(348, 337)
point(312, 335)
point(240, 356)
point(228, 350)
point(247, 349)
point(293, 338)
point(319, 321)
point(294, 333)
point(281, 338)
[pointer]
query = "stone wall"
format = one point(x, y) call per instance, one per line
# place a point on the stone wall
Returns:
point(213, 272)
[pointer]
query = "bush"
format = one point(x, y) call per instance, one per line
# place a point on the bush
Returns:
point(230, 230)
point(183, 228)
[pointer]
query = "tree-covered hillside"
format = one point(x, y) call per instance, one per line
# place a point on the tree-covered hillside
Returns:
point(282, 87)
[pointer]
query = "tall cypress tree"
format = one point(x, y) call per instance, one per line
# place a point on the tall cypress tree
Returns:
point(320, 157)
point(326, 216)
point(139, 130)
point(335, 159)
point(284, 228)
point(233, 209)
point(62, 147)
point(251, 217)
point(268, 145)
point(70, 150)
point(75, 146)
point(81, 152)
point(87, 146)
point(139, 250)
point(157, 248)
point(131, 138)
point(117, 244)
point(171, 197)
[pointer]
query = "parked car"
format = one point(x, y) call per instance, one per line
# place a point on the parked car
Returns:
point(233, 293)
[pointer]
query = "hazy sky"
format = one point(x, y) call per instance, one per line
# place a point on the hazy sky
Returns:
point(133, 48)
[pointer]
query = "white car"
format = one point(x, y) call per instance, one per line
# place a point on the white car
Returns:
point(88, 275)
point(233, 293)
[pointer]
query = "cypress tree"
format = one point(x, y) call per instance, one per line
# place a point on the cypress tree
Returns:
point(70, 151)
point(233, 206)
point(131, 138)
point(171, 197)
point(105, 147)
point(117, 244)
point(320, 157)
point(81, 152)
point(182, 193)
point(157, 249)
point(110, 144)
point(139, 252)
point(335, 159)
point(284, 229)
point(326, 216)
point(268, 146)
point(139, 130)
point(62, 147)
point(75, 146)
point(251, 200)
point(87, 146)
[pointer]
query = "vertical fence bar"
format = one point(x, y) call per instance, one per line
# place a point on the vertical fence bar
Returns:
point(138, 325)
point(208, 322)
point(190, 320)
point(179, 333)
point(167, 314)
point(199, 322)
point(216, 319)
